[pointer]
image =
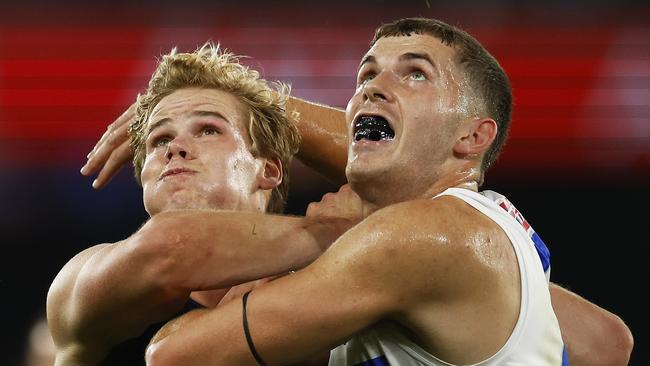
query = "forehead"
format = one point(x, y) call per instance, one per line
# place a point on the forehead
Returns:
point(388, 48)
point(185, 101)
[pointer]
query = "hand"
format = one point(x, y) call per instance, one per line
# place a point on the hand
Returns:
point(344, 204)
point(112, 151)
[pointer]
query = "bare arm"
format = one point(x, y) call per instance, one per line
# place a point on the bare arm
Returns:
point(593, 336)
point(290, 318)
point(111, 293)
point(205, 250)
point(345, 290)
point(60, 314)
point(103, 296)
point(324, 138)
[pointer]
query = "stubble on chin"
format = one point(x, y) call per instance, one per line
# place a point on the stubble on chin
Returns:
point(189, 200)
point(181, 200)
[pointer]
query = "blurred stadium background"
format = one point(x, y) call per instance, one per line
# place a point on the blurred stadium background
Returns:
point(577, 163)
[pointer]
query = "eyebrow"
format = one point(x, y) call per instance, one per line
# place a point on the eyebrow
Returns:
point(417, 56)
point(365, 60)
point(405, 57)
point(199, 113)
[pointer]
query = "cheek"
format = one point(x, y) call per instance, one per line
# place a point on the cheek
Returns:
point(234, 169)
point(244, 169)
point(350, 105)
point(147, 170)
point(151, 169)
point(426, 130)
point(351, 108)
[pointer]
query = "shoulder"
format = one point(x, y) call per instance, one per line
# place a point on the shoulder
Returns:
point(70, 271)
point(66, 278)
point(442, 239)
point(60, 302)
point(451, 219)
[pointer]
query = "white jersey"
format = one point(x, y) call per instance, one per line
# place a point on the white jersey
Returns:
point(535, 340)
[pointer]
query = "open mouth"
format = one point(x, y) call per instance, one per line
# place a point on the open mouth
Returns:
point(373, 128)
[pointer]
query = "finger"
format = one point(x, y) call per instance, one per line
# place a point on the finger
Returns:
point(94, 161)
point(110, 141)
point(117, 160)
point(100, 141)
point(121, 123)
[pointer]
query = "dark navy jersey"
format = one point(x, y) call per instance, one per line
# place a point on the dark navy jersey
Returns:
point(131, 352)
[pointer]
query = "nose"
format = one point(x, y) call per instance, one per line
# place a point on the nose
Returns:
point(179, 147)
point(379, 88)
point(181, 153)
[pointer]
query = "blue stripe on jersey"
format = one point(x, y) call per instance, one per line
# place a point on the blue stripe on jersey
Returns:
point(377, 361)
point(542, 251)
point(565, 357)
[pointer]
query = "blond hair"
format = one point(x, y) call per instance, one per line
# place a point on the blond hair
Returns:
point(271, 131)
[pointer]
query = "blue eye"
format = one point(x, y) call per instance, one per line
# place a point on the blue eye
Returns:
point(365, 79)
point(417, 76)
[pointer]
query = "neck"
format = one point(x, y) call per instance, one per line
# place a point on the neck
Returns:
point(467, 178)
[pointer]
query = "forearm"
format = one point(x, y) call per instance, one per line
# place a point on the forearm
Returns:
point(299, 315)
point(236, 247)
point(593, 336)
point(324, 138)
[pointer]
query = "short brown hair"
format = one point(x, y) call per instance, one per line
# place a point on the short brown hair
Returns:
point(484, 74)
point(271, 131)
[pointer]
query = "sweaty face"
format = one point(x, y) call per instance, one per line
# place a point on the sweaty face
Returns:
point(403, 115)
point(197, 154)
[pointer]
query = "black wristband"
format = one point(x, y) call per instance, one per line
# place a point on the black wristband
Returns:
point(247, 333)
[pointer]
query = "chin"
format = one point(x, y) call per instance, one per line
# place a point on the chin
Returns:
point(364, 169)
point(185, 200)
point(372, 184)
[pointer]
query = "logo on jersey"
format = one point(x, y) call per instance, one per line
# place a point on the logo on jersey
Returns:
point(542, 250)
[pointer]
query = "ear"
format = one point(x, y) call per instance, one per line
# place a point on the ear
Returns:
point(476, 137)
point(271, 173)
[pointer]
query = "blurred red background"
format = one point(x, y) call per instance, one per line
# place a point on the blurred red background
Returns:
point(580, 73)
point(578, 158)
